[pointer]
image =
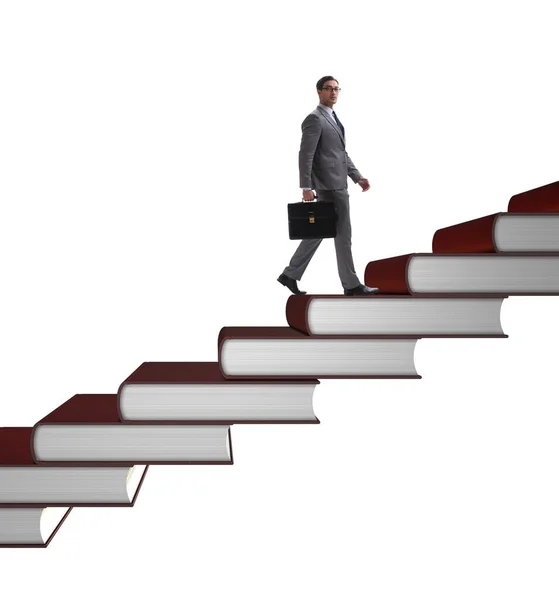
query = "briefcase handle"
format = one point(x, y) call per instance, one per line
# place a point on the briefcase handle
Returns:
point(313, 200)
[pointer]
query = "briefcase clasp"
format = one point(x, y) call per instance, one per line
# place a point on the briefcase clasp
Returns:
point(311, 217)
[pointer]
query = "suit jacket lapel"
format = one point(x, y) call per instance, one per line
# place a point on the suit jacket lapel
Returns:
point(331, 122)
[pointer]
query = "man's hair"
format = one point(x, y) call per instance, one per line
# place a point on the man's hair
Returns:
point(323, 80)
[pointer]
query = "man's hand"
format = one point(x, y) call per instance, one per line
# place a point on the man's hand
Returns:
point(364, 183)
point(308, 195)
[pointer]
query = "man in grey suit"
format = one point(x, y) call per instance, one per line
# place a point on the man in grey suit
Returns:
point(324, 166)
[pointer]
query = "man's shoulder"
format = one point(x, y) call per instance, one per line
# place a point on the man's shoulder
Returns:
point(315, 115)
point(317, 112)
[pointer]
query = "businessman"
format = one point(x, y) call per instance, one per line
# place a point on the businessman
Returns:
point(324, 166)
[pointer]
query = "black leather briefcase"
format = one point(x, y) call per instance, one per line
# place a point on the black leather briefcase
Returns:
point(311, 220)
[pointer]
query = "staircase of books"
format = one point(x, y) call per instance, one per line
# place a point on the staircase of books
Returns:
point(95, 449)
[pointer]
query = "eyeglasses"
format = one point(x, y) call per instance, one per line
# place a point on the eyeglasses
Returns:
point(329, 88)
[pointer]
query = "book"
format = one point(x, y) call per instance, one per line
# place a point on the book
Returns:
point(501, 232)
point(197, 391)
point(284, 352)
point(541, 199)
point(86, 429)
point(442, 316)
point(30, 527)
point(474, 274)
point(24, 483)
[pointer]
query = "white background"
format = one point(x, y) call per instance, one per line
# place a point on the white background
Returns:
point(147, 154)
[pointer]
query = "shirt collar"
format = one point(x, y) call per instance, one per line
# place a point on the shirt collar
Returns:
point(329, 110)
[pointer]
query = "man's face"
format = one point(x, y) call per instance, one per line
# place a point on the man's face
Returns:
point(329, 93)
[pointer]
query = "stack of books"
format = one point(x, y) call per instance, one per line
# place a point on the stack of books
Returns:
point(95, 449)
point(513, 253)
point(36, 498)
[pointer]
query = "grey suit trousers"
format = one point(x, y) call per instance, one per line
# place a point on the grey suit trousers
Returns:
point(306, 249)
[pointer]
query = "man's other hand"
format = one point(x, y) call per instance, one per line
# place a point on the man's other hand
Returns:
point(308, 196)
point(364, 183)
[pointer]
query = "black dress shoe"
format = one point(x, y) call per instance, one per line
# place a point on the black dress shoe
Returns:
point(361, 290)
point(290, 283)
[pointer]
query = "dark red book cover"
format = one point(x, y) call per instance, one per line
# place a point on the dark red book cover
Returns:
point(98, 409)
point(296, 312)
point(471, 236)
point(541, 199)
point(390, 275)
point(15, 447)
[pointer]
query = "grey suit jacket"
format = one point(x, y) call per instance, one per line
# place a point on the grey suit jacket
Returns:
point(323, 161)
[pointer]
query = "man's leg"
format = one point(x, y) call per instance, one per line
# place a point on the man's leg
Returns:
point(306, 249)
point(301, 259)
point(342, 241)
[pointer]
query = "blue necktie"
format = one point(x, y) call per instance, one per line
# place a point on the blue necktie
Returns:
point(339, 124)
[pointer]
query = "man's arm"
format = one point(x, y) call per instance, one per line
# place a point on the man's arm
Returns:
point(309, 141)
point(356, 176)
point(352, 171)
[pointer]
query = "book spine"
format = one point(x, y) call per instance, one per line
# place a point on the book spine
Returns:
point(296, 312)
point(389, 275)
point(542, 199)
point(223, 335)
point(472, 236)
point(32, 444)
point(121, 388)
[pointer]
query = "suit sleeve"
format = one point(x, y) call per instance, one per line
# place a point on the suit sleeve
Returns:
point(352, 171)
point(309, 141)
